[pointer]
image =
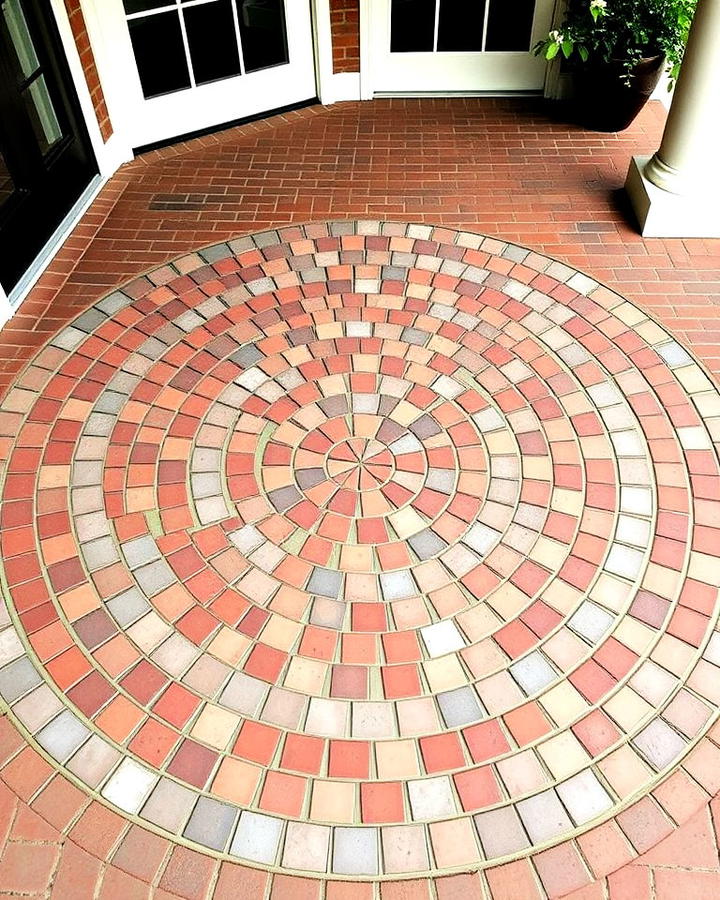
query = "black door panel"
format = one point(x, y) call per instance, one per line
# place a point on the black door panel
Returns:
point(46, 160)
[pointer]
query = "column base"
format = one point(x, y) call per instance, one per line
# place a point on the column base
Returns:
point(662, 214)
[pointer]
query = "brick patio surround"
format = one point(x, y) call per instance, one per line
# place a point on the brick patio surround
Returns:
point(502, 168)
point(498, 167)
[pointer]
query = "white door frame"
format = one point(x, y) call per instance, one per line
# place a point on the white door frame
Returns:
point(322, 39)
point(366, 51)
point(109, 155)
point(332, 87)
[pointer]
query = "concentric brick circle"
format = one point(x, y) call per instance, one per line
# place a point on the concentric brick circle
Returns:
point(359, 464)
point(363, 550)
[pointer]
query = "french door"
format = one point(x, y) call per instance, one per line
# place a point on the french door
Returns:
point(457, 45)
point(187, 65)
point(46, 160)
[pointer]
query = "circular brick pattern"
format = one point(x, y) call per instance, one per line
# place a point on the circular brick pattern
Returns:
point(363, 550)
point(359, 464)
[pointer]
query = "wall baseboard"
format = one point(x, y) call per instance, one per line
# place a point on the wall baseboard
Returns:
point(343, 86)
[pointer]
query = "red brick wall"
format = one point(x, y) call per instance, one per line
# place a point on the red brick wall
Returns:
point(345, 24)
point(82, 42)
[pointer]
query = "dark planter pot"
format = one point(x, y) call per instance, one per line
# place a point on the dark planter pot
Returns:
point(605, 102)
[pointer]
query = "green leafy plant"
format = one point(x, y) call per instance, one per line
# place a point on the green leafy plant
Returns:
point(600, 31)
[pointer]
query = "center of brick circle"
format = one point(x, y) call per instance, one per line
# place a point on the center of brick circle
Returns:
point(360, 464)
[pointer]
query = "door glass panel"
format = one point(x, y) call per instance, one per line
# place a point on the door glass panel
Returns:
point(159, 53)
point(20, 37)
point(412, 26)
point(136, 6)
point(42, 114)
point(7, 185)
point(39, 112)
point(211, 36)
point(510, 25)
point(461, 24)
point(262, 33)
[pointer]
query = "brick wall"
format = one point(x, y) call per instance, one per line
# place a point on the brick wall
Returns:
point(345, 24)
point(82, 42)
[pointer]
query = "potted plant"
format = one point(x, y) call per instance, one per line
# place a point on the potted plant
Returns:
point(618, 50)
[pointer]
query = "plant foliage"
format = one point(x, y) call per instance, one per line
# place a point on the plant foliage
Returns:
point(598, 31)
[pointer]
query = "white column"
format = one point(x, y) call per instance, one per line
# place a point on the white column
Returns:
point(675, 193)
point(692, 130)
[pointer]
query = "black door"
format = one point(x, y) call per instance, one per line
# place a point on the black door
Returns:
point(46, 160)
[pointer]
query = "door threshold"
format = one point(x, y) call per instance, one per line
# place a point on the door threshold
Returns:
point(386, 95)
point(223, 126)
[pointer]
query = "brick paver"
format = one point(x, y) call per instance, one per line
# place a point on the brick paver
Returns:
point(367, 501)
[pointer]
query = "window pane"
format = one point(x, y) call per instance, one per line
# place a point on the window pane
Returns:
point(262, 32)
point(42, 114)
point(134, 6)
point(213, 45)
point(460, 26)
point(159, 53)
point(412, 26)
point(510, 25)
point(20, 37)
point(7, 186)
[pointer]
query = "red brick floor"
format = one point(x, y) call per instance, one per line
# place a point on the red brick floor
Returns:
point(498, 167)
point(491, 167)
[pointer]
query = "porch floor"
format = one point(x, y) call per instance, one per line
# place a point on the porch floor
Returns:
point(359, 524)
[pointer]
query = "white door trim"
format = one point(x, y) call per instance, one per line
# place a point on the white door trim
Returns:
point(367, 88)
point(109, 155)
point(332, 87)
point(322, 37)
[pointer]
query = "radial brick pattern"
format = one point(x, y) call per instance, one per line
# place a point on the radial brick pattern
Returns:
point(364, 550)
